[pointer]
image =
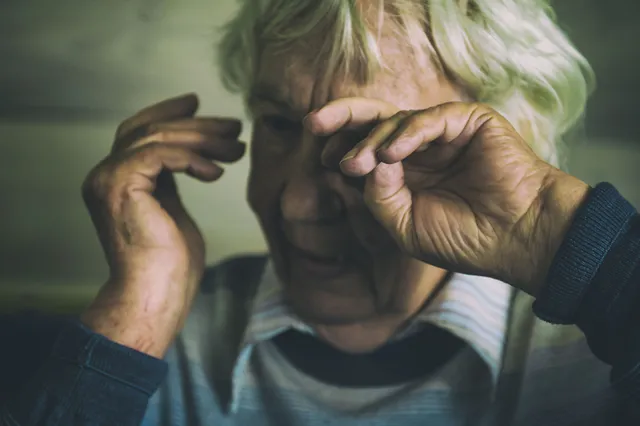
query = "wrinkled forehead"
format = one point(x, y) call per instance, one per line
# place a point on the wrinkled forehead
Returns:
point(296, 75)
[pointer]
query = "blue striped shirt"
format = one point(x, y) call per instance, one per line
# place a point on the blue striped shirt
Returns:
point(515, 369)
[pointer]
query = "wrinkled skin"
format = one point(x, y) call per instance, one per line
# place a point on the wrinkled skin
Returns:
point(306, 206)
point(440, 183)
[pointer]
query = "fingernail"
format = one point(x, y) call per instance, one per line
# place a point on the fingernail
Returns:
point(349, 155)
point(307, 118)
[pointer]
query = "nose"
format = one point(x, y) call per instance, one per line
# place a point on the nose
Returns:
point(308, 195)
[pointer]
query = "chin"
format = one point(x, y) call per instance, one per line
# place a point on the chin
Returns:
point(320, 305)
point(331, 293)
point(338, 313)
point(342, 300)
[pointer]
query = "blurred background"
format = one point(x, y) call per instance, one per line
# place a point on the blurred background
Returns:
point(71, 70)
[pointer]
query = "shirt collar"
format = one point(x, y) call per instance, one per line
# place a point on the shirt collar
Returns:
point(471, 307)
point(270, 315)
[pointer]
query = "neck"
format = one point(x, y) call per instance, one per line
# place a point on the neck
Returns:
point(367, 336)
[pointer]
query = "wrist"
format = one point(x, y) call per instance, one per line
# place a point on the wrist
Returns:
point(559, 200)
point(132, 321)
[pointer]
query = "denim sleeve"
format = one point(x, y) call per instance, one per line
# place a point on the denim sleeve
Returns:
point(85, 380)
point(594, 282)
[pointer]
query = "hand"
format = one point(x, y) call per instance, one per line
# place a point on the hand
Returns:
point(457, 187)
point(153, 247)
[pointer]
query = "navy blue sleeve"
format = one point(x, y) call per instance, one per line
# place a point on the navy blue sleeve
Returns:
point(594, 282)
point(83, 379)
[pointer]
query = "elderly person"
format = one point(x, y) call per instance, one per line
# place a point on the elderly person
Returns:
point(403, 172)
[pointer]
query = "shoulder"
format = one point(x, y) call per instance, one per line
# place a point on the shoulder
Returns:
point(27, 338)
point(225, 297)
point(219, 315)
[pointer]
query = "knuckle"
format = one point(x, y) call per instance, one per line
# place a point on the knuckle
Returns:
point(439, 109)
point(416, 121)
point(127, 125)
point(480, 112)
point(128, 135)
point(480, 108)
point(122, 127)
point(402, 114)
point(97, 184)
point(479, 105)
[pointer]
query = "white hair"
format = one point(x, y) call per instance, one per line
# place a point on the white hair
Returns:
point(509, 54)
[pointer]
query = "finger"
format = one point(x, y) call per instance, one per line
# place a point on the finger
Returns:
point(228, 127)
point(212, 147)
point(389, 199)
point(452, 124)
point(338, 145)
point(152, 159)
point(362, 159)
point(169, 109)
point(140, 170)
point(348, 113)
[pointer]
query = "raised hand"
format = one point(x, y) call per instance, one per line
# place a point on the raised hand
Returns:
point(153, 247)
point(457, 186)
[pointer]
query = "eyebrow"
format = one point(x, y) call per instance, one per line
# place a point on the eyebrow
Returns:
point(269, 93)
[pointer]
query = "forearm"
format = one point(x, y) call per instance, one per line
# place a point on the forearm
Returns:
point(87, 380)
point(594, 282)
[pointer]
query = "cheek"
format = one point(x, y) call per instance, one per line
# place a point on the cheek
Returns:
point(266, 178)
point(368, 231)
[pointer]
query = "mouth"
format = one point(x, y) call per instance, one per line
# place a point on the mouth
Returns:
point(320, 264)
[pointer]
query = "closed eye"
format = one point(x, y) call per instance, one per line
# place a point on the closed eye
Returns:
point(280, 124)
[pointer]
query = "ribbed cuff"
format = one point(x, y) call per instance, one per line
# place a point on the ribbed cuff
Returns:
point(608, 302)
point(79, 345)
point(625, 374)
point(597, 224)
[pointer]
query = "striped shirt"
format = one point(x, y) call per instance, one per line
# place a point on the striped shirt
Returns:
point(514, 370)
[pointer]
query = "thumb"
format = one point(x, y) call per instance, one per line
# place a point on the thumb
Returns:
point(391, 201)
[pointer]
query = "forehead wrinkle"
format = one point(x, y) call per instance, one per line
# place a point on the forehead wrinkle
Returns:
point(285, 79)
point(289, 78)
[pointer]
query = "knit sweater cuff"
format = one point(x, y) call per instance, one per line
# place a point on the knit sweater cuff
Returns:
point(595, 228)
